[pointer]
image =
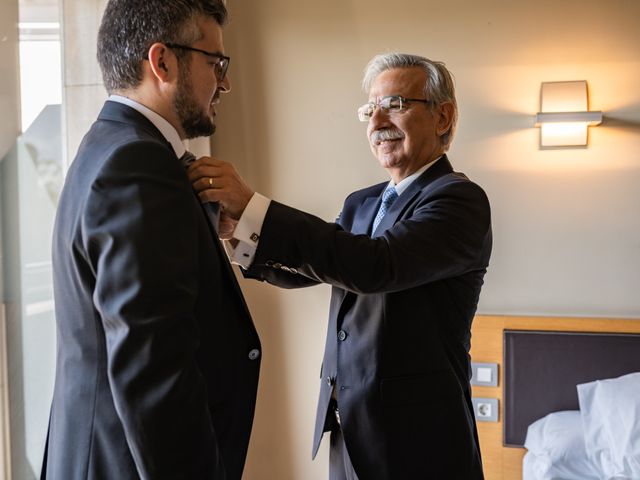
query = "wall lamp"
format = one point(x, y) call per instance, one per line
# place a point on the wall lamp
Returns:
point(564, 115)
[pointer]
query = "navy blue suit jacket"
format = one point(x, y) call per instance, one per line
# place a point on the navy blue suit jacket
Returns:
point(156, 367)
point(401, 309)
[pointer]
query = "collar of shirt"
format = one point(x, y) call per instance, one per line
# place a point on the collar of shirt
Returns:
point(167, 130)
point(404, 183)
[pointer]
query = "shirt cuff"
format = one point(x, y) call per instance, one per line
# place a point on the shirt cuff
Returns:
point(247, 231)
point(242, 254)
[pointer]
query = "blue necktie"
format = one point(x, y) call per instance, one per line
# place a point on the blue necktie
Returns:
point(388, 197)
point(212, 208)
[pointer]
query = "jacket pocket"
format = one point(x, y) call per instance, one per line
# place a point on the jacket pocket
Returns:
point(432, 387)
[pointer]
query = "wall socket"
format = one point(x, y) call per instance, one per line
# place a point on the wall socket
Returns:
point(485, 409)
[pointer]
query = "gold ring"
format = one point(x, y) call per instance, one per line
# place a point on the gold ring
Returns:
point(210, 182)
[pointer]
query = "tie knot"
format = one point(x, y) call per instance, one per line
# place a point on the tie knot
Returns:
point(187, 159)
point(389, 196)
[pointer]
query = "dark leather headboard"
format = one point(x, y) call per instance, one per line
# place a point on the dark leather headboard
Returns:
point(542, 369)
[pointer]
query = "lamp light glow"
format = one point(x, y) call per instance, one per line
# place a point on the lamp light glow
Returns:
point(565, 117)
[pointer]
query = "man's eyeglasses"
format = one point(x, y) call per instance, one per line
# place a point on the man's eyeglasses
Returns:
point(222, 61)
point(391, 104)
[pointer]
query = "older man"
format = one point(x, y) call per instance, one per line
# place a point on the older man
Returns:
point(406, 260)
point(158, 358)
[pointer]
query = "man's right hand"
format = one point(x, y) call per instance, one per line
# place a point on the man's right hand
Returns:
point(218, 181)
point(226, 226)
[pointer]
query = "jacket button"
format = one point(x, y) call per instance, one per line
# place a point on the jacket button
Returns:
point(342, 335)
point(331, 381)
point(254, 354)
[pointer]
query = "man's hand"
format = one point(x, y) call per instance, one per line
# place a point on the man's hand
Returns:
point(226, 226)
point(218, 181)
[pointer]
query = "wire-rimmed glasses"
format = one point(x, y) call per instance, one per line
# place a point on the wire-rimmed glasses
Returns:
point(220, 67)
point(389, 104)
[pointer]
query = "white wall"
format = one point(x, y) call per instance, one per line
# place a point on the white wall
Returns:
point(565, 221)
point(83, 92)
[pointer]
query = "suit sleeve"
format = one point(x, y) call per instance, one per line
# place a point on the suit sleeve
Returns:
point(278, 277)
point(447, 234)
point(140, 234)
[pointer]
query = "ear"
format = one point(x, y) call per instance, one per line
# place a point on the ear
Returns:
point(444, 117)
point(163, 62)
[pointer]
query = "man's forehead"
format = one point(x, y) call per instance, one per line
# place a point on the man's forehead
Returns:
point(210, 33)
point(398, 81)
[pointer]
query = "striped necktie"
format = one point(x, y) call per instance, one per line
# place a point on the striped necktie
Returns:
point(212, 208)
point(388, 197)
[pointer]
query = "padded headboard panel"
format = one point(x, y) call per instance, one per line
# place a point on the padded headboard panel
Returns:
point(542, 369)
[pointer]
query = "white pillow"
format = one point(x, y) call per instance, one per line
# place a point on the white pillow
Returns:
point(610, 412)
point(529, 467)
point(557, 450)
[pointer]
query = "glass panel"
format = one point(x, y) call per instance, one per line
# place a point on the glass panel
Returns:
point(30, 182)
point(40, 75)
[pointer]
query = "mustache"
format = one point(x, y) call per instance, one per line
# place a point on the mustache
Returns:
point(379, 136)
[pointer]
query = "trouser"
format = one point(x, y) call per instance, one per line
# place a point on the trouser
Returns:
point(340, 467)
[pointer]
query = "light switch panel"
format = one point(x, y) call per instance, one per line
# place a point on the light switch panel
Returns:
point(484, 374)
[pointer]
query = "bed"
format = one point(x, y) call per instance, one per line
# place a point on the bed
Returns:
point(531, 387)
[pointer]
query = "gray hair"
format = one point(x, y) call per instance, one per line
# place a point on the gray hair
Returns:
point(130, 27)
point(439, 86)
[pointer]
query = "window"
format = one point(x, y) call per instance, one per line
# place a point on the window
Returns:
point(30, 180)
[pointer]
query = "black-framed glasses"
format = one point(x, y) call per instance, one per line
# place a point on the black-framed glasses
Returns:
point(220, 67)
point(390, 104)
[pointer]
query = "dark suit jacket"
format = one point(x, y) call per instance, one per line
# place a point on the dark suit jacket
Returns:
point(400, 317)
point(157, 368)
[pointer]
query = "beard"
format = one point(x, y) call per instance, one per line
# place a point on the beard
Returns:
point(195, 121)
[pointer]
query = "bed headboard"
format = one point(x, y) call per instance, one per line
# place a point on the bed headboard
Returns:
point(488, 345)
point(542, 369)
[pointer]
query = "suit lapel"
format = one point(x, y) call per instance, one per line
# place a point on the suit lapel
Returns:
point(227, 270)
point(364, 217)
point(361, 225)
point(437, 170)
point(224, 260)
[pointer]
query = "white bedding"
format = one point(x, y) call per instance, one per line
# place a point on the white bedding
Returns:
point(601, 441)
point(610, 411)
point(556, 449)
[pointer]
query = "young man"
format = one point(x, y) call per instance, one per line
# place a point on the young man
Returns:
point(158, 358)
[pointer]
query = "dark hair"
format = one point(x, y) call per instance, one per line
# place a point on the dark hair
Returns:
point(130, 27)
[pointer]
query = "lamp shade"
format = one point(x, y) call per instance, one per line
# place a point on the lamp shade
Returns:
point(564, 115)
